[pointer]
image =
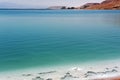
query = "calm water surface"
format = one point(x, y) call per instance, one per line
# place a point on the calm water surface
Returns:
point(54, 37)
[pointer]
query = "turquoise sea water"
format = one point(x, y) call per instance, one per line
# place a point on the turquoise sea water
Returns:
point(31, 38)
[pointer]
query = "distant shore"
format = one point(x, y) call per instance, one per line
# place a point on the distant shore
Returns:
point(104, 5)
point(103, 70)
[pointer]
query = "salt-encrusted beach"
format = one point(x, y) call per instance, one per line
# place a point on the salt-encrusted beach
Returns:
point(106, 70)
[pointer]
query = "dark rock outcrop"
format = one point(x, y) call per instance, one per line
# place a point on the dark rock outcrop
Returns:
point(88, 5)
point(37, 78)
point(91, 73)
point(47, 72)
point(49, 79)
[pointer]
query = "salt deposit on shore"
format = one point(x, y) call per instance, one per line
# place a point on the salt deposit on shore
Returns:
point(98, 71)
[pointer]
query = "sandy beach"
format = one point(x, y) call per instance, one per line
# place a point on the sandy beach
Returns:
point(105, 70)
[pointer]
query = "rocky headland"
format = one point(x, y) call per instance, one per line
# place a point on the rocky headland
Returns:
point(104, 5)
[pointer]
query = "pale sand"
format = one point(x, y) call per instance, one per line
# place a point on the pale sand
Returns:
point(105, 70)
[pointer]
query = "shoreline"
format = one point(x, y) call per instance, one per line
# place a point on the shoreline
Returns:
point(90, 71)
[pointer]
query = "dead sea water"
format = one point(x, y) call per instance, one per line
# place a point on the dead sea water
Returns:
point(30, 38)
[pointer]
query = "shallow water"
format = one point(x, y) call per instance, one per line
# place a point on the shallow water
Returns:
point(30, 38)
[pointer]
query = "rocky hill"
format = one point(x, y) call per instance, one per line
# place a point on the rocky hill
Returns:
point(105, 5)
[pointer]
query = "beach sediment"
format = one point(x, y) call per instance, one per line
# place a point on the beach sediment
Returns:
point(98, 71)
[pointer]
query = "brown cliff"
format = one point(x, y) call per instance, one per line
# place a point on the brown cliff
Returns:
point(105, 5)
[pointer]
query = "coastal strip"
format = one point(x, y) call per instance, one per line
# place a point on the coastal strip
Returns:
point(109, 70)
